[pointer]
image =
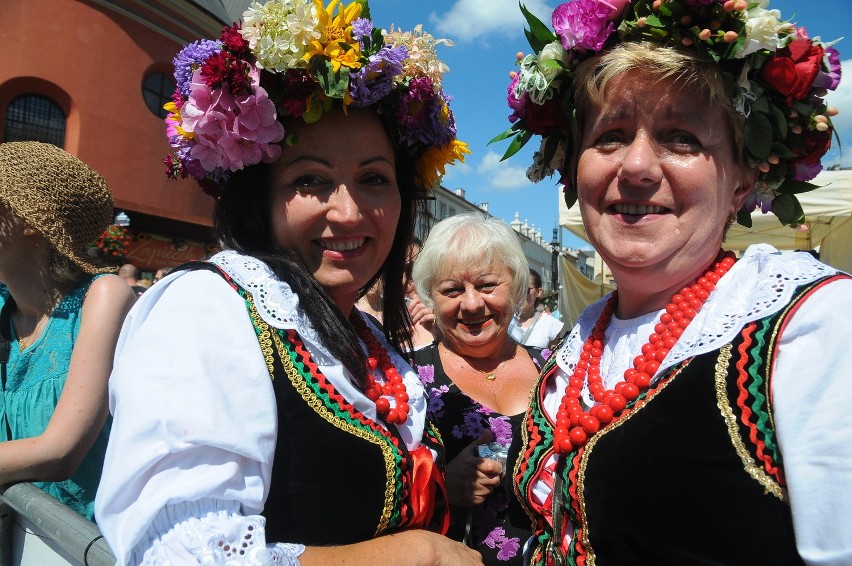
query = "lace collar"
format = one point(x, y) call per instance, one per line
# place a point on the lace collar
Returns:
point(274, 300)
point(760, 284)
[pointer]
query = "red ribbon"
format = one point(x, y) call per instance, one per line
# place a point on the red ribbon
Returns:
point(426, 481)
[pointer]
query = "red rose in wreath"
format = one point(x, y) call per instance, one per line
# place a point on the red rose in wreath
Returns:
point(545, 119)
point(792, 70)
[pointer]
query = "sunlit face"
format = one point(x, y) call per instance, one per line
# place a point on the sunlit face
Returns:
point(656, 178)
point(335, 200)
point(473, 307)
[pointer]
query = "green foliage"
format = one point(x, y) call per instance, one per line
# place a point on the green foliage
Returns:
point(538, 34)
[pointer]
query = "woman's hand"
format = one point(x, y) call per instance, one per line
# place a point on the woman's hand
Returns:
point(469, 478)
point(409, 548)
point(420, 313)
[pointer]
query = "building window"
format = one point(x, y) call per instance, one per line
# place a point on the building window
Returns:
point(157, 89)
point(443, 211)
point(32, 117)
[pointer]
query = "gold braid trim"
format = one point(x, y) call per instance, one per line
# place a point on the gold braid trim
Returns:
point(264, 336)
point(750, 466)
point(267, 339)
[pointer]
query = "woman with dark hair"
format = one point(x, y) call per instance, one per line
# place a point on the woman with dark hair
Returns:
point(287, 428)
point(699, 413)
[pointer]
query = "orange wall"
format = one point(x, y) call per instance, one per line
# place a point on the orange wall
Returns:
point(92, 62)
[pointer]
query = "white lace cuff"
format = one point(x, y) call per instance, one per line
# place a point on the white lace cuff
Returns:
point(218, 537)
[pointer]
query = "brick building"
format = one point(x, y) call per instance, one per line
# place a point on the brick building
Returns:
point(91, 76)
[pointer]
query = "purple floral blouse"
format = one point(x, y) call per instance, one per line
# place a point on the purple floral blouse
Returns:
point(461, 420)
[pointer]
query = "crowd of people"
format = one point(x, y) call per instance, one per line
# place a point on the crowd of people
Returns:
point(330, 389)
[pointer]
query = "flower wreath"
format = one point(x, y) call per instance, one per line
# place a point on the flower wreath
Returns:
point(296, 58)
point(781, 77)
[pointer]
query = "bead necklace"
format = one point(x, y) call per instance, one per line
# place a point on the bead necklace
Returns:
point(573, 425)
point(378, 358)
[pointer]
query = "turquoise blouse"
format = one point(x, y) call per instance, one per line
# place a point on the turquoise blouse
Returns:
point(34, 382)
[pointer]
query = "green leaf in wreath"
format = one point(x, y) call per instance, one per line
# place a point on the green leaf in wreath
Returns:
point(744, 217)
point(792, 187)
point(539, 34)
point(334, 85)
point(788, 209)
point(520, 141)
point(758, 135)
point(511, 131)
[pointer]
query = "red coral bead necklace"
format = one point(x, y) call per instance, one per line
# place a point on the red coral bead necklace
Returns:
point(378, 358)
point(574, 426)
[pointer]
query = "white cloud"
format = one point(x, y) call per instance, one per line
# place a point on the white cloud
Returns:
point(501, 174)
point(456, 170)
point(469, 20)
point(842, 100)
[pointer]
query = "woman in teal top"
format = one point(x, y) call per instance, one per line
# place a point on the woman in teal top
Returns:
point(59, 322)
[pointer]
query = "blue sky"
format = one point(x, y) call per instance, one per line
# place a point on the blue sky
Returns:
point(488, 33)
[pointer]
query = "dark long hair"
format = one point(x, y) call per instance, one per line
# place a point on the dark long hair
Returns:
point(243, 222)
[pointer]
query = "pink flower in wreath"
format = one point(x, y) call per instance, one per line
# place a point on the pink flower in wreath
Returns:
point(231, 132)
point(583, 24)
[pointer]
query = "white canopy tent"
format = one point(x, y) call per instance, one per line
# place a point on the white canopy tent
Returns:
point(828, 217)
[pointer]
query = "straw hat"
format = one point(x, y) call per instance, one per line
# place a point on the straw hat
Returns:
point(58, 195)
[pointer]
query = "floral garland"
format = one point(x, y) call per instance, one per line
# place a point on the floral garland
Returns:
point(781, 77)
point(295, 58)
point(114, 241)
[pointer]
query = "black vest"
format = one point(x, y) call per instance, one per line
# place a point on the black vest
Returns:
point(337, 476)
point(689, 474)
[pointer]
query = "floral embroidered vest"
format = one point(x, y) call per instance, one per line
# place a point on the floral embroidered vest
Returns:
point(689, 474)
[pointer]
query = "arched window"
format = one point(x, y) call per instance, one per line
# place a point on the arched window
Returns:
point(33, 117)
point(157, 89)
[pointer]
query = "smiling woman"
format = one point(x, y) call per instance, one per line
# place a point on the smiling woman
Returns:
point(686, 416)
point(473, 273)
point(288, 429)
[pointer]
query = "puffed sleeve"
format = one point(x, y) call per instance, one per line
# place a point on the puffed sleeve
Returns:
point(812, 394)
point(194, 429)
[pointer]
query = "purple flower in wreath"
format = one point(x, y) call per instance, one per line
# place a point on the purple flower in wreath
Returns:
point(583, 24)
point(830, 79)
point(374, 81)
point(757, 200)
point(190, 58)
point(361, 27)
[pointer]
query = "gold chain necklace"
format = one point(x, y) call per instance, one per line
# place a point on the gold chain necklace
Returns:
point(492, 375)
point(23, 343)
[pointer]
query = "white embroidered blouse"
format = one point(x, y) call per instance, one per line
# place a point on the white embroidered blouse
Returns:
point(189, 461)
